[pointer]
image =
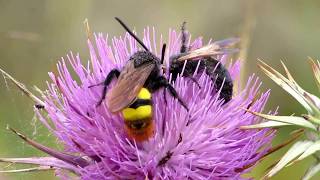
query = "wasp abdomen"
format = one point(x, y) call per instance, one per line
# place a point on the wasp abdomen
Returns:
point(138, 116)
point(221, 76)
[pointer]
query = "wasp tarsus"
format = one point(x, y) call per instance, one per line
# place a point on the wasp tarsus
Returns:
point(180, 139)
point(39, 106)
point(165, 159)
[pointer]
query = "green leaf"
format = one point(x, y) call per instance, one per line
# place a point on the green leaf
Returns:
point(313, 169)
point(296, 150)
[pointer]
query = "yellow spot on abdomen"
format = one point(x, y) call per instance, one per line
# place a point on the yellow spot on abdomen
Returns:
point(144, 94)
point(142, 112)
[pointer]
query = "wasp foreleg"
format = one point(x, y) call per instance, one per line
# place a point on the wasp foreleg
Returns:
point(163, 82)
point(113, 73)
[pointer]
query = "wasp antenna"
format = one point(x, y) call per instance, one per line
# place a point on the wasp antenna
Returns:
point(131, 33)
point(163, 51)
point(183, 38)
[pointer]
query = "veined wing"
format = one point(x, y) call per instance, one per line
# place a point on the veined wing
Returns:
point(216, 48)
point(129, 83)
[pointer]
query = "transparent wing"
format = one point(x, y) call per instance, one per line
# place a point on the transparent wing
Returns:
point(129, 83)
point(216, 48)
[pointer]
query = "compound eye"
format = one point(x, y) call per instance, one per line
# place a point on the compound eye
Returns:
point(138, 125)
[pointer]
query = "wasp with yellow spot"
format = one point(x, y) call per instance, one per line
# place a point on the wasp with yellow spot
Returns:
point(132, 94)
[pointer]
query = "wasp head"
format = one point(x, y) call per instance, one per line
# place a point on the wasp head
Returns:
point(142, 57)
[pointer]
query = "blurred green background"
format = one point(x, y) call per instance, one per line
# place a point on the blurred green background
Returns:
point(34, 34)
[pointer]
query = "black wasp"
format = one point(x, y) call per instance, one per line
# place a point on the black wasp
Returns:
point(204, 60)
point(132, 93)
point(141, 70)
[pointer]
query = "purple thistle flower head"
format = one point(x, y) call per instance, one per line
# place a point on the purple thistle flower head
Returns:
point(202, 143)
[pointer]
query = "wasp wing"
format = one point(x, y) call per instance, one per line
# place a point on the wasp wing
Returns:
point(129, 83)
point(216, 48)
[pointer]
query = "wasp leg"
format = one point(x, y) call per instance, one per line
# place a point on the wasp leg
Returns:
point(163, 82)
point(113, 73)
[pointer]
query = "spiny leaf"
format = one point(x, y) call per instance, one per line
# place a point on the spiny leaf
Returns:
point(297, 149)
point(273, 149)
point(311, 150)
point(313, 170)
point(268, 124)
point(316, 71)
point(290, 77)
point(311, 118)
point(312, 99)
point(290, 86)
point(294, 120)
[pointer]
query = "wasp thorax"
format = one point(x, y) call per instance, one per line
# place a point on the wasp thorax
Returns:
point(142, 57)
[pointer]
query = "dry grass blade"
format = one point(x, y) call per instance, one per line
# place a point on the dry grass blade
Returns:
point(23, 88)
point(41, 161)
point(316, 71)
point(40, 168)
point(88, 30)
point(248, 27)
point(36, 88)
point(75, 160)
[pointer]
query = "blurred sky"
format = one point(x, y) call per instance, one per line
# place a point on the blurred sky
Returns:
point(34, 34)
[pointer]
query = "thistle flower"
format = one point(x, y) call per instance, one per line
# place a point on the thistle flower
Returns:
point(205, 142)
point(309, 123)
